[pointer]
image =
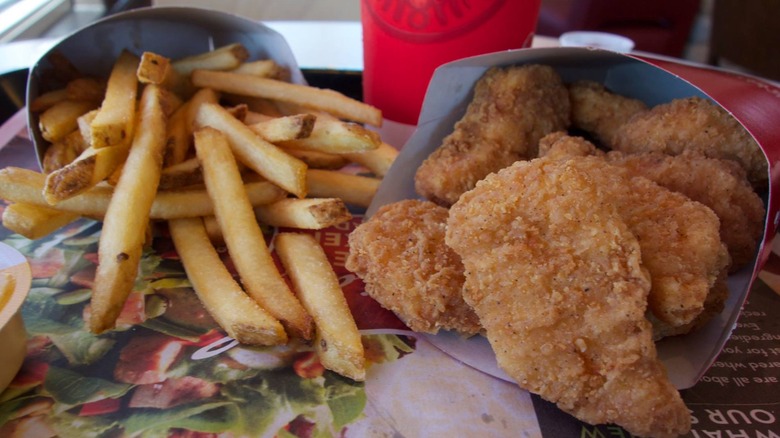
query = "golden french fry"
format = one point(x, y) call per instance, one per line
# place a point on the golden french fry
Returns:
point(256, 105)
point(309, 213)
point(202, 96)
point(238, 314)
point(353, 189)
point(183, 174)
point(23, 185)
point(337, 137)
point(48, 100)
point(63, 152)
point(62, 118)
point(35, 221)
point(178, 138)
point(276, 129)
point(125, 222)
point(337, 342)
point(88, 169)
point(376, 160)
point(326, 100)
point(114, 122)
point(213, 231)
point(238, 112)
point(264, 158)
point(243, 236)
point(156, 69)
point(85, 126)
point(267, 68)
point(153, 68)
point(85, 89)
point(224, 58)
point(319, 160)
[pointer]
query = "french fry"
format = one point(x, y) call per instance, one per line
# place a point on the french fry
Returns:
point(238, 112)
point(243, 236)
point(61, 119)
point(114, 122)
point(88, 169)
point(376, 160)
point(319, 160)
point(48, 100)
point(337, 137)
point(23, 185)
point(266, 68)
point(213, 231)
point(178, 138)
point(125, 222)
point(153, 68)
point(224, 58)
point(35, 221)
point(264, 158)
point(338, 343)
point(256, 105)
point(183, 174)
point(85, 89)
point(276, 129)
point(307, 214)
point(353, 189)
point(238, 314)
point(85, 126)
point(63, 152)
point(326, 100)
point(156, 69)
point(202, 96)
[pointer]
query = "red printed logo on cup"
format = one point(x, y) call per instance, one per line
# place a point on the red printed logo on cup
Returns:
point(425, 21)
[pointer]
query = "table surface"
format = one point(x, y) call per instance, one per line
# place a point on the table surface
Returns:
point(738, 396)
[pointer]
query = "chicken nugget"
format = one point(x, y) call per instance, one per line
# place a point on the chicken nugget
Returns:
point(401, 256)
point(719, 184)
point(511, 110)
point(562, 145)
point(693, 124)
point(598, 111)
point(679, 239)
point(555, 275)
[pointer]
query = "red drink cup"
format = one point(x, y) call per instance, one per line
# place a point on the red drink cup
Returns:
point(405, 40)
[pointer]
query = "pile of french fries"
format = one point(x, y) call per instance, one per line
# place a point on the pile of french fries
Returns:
point(215, 145)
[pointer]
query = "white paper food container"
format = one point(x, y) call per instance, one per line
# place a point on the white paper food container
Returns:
point(687, 357)
point(173, 32)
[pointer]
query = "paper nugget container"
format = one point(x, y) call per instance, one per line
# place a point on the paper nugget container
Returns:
point(173, 32)
point(754, 102)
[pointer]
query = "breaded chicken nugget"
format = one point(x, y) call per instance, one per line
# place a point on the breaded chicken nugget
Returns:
point(719, 184)
point(713, 305)
point(680, 240)
point(401, 256)
point(693, 124)
point(555, 275)
point(512, 109)
point(598, 111)
point(562, 145)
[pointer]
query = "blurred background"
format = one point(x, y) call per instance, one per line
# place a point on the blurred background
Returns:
point(733, 34)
